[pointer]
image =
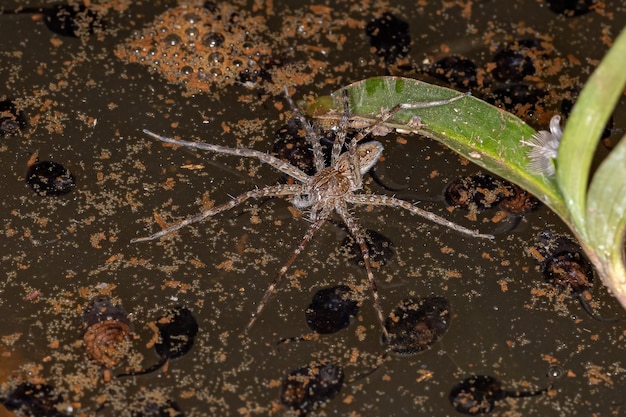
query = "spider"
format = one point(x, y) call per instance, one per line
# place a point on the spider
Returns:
point(331, 189)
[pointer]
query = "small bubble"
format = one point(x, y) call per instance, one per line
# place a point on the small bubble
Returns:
point(172, 39)
point(555, 372)
point(186, 70)
point(191, 17)
point(216, 57)
point(213, 40)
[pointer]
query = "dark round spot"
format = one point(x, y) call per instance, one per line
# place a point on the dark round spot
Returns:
point(475, 395)
point(50, 178)
point(177, 331)
point(478, 394)
point(511, 95)
point(381, 249)
point(389, 36)
point(570, 8)
point(306, 388)
point(72, 21)
point(415, 325)
point(101, 308)
point(332, 309)
point(210, 6)
point(11, 120)
point(570, 271)
point(520, 201)
point(517, 60)
point(33, 400)
point(158, 409)
point(456, 70)
point(512, 66)
point(476, 193)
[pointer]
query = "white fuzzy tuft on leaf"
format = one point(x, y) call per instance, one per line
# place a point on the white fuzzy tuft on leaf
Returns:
point(544, 148)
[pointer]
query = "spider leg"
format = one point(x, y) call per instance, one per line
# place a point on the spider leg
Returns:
point(386, 115)
point(340, 136)
point(383, 200)
point(282, 166)
point(315, 226)
point(359, 235)
point(273, 191)
point(312, 135)
point(355, 162)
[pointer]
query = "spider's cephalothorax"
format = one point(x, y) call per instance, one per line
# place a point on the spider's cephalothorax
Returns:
point(330, 189)
point(334, 183)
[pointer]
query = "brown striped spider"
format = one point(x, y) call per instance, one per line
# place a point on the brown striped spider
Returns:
point(331, 189)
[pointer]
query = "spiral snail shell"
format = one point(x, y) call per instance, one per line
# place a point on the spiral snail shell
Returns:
point(107, 337)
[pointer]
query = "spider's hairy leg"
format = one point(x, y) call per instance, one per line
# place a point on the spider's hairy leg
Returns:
point(340, 135)
point(315, 226)
point(383, 200)
point(359, 236)
point(388, 114)
point(312, 135)
point(277, 163)
point(273, 191)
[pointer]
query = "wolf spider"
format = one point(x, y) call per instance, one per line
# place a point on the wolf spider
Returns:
point(330, 189)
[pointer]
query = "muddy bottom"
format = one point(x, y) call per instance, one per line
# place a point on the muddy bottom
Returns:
point(80, 85)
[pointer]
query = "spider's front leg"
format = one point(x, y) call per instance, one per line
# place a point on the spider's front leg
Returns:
point(385, 115)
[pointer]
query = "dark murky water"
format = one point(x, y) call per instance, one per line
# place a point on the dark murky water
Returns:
point(85, 108)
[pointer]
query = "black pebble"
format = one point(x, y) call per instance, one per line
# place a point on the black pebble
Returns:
point(415, 325)
point(11, 120)
point(381, 248)
point(570, 8)
point(332, 309)
point(456, 70)
point(30, 399)
point(478, 394)
point(70, 21)
point(307, 387)
point(49, 178)
point(390, 37)
point(177, 335)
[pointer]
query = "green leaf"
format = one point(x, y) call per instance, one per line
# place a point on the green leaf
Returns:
point(482, 133)
point(606, 218)
point(584, 127)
